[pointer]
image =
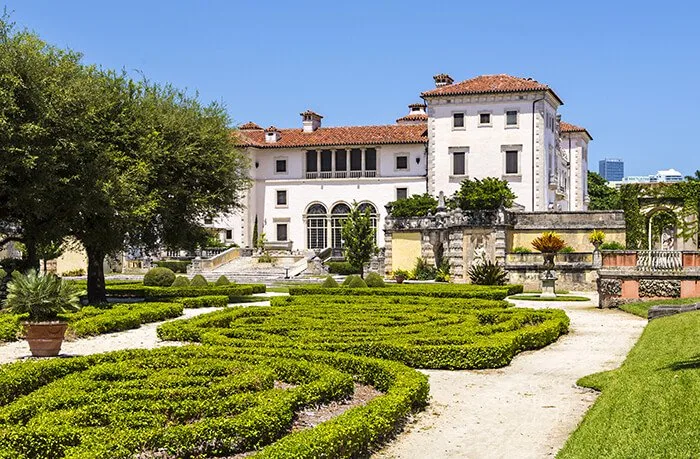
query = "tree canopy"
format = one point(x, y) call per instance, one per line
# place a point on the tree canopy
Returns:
point(359, 238)
point(602, 196)
point(417, 205)
point(487, 194)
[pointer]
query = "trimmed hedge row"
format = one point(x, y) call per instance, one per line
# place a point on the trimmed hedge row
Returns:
point(10, 327)
point(341, 267)
point(175, 266)
point(422, 334)
point(314, 300)
point(198, 401)
point(91, 321)
point(428, 290)
point(210, 301)
point(154, 293)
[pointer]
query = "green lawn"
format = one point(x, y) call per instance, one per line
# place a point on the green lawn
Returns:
point(642, 308)
point(650, 406)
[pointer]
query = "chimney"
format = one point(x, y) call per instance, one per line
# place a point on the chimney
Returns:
point(442, 79)
point(416, 115)
point(310, 120)
point(272, 135)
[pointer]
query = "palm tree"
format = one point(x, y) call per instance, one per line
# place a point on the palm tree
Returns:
point(693, 178)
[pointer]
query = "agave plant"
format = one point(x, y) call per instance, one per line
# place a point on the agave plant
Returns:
point(42, 298)
point(549, 242)
point(488, 273)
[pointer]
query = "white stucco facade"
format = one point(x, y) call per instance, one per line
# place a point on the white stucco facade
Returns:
point(302, 176)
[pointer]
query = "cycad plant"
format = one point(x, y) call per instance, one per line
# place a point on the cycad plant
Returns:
point(488, 273)
point(549, 242)
point(42, 298)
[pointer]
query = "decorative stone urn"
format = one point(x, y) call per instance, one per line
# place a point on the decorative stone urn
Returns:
point(548, 277)
point(45, 338)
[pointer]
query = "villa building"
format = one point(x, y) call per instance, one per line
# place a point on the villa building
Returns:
point(305, 179)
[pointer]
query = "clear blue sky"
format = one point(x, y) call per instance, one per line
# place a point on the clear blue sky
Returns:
point(627, 71)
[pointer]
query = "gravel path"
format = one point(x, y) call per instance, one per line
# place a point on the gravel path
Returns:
point(143, 337)
point(525, 410)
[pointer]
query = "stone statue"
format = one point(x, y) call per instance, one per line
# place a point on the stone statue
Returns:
point(668, 238)
point(479, 257)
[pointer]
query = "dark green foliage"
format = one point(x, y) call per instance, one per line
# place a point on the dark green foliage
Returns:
point(222, 280)
point(422, 335)
point(255, 232)
point(603, 197)
point(567, 249)
point(612, 245)
point(10, 327)
point(341, 267)
point(360, 238)
point(354, 282)
point(199, 281)
point(181, 281)
point(92, 321)
point(521, 250)
point(209, 301)
point(427, 290)
point(155, 293)
point(159, 277)
point(635, 224)
point(329, 282)
point(13, 264)
point(176, 266)
point(418, 205)
point(199, 401)
point(488, 273)
point(487, 194)
point(374, 280)
point(368, 300)
point(423, 270)
point(41, 298)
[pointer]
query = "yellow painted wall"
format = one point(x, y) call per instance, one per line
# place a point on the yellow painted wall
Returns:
point(405, 248)
point(73, 258)
point(578, 239)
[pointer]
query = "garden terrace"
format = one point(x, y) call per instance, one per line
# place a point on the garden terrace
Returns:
point(199, 401)
point(429, 334)
point(649, 406)
point(436, 290)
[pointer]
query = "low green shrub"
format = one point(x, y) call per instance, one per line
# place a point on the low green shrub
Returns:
point(374, 280)
point(362, 301)
point(612, 245)
point(181, 281)
point(222, 280)
point(155, 293)
point(423, 270)
point(422, 335)
point(567, 249)
point(10, 327)
point(520, 249)
point(355, 282)
point(428, 290)
point(199, 401)
point(348, 279)
point(159, 277)
point(265, 258)
point(342, 268)
point(488, 273)
point(329, 282)
point(199, 281)
point(210, 301)
point(3, 274)
point(73, 273)
point(91, 320)
point(177, 266)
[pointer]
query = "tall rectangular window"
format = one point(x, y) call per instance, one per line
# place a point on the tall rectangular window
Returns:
point(512, 162)
point(458, 120)
point(401, 163)
point(341, 160)
point(229, 235)
point(326, 160)
point(401, 193)
point(281, 231)
point(311, 161)
point(355, 159)
point(370, 159)
point(511, 118)
point(458, 163)
point(281, 197)
point(280, 166)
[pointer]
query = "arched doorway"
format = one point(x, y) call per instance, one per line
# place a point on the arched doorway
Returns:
point(662, 229)
point(316, 226)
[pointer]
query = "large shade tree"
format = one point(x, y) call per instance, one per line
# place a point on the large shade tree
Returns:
point(359, 238)
point(601, 195)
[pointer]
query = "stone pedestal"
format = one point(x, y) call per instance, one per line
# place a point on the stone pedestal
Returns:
point(548, 279)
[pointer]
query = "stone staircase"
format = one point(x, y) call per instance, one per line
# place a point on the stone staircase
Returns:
point(245, 270)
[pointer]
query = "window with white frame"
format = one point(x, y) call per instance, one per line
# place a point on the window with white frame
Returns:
point(511, 118)
point(401, 193)
point(401, 162)
point(484, 119)
point(512, 163)
point(458, 120)
point(281, 231)
point(459, 163)
point(281, 198)
point(280, 166)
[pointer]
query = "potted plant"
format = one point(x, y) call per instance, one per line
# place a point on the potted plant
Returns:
point(400, 275)
point(549, 243)
point(596, 238)
point(42, 299)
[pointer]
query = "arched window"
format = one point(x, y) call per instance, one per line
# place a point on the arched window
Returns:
point(338, 215)
point(317, 227)
point(363, 207)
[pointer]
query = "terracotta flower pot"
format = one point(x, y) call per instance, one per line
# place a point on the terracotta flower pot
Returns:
point(399, 279)
point(45, 339)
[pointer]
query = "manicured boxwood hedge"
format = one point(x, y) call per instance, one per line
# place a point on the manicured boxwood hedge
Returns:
point(314, 300)
point(210, 301)
point(199, 401)
point(90, 321)
point(10, 327)
point(175, 266)
point(155, 293)
point(422, 335)
point(430, 290)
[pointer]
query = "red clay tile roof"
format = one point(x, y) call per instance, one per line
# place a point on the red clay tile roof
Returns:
point(272, 129)
point(490, 84)
point(310, 113)
point(249, 125)
point(340, 136)
point(567, 127)
point(417, 105)
point(414, 117)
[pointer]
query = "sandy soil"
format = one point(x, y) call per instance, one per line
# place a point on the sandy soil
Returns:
point(138, 338)
point(528, 409)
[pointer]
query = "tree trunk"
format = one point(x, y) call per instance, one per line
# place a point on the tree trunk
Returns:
point(45, 263)
point(96, 276)
point(31, 256)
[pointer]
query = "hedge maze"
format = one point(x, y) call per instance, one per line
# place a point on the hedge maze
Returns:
point(198, 401)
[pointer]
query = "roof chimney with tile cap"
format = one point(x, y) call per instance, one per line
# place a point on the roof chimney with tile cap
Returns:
point(310, 120)
point(442, 79)
point(416, 115)
point(272, 134)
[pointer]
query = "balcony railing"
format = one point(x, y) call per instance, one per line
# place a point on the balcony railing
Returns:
point(659, 260)
point(340, 174)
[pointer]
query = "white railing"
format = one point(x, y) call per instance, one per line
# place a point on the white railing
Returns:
point(340, 174)
point(659, 260)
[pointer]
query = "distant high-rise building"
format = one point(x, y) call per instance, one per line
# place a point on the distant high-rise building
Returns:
point(611, 169)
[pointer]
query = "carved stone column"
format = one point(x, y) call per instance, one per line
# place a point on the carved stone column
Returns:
point(455, 252)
